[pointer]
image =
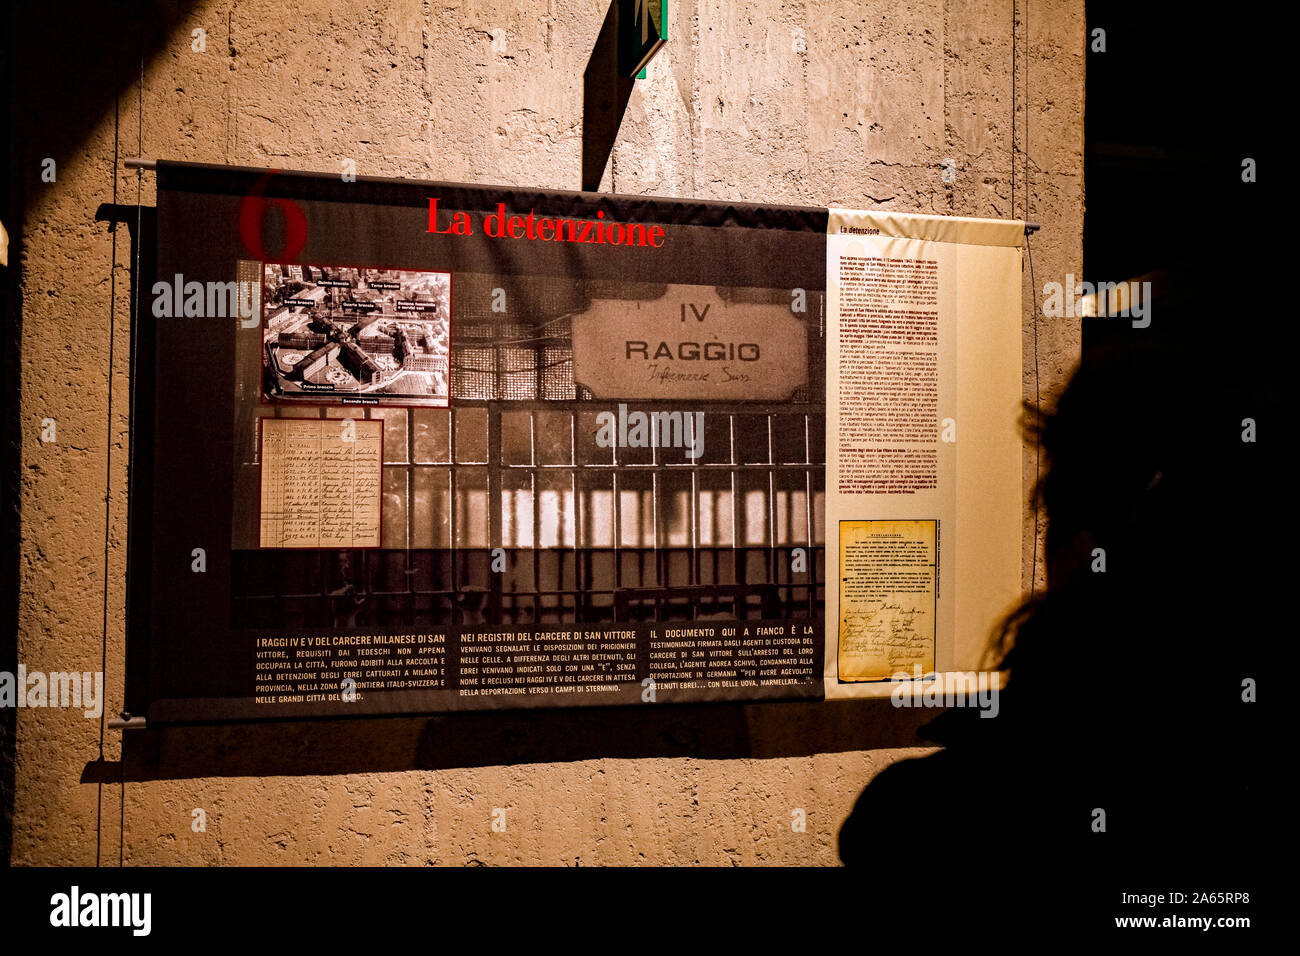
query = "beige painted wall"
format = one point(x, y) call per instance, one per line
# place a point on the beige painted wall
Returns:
point(825, 102)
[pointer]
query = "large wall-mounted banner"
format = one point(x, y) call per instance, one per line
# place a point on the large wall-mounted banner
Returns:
point(407, 447)
point(415, 447)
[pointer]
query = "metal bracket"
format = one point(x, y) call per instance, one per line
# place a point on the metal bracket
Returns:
point(126, 722)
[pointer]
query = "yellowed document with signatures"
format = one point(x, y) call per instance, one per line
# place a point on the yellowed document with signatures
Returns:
point(887, 598)
point(321, 483)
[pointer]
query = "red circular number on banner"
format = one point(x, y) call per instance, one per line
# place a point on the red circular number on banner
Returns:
point(251, 213)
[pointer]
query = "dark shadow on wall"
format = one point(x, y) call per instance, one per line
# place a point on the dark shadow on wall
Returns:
point(70, 61)
point(11, 439)
point(62, 64)
point(379, 744)
point(604, 99)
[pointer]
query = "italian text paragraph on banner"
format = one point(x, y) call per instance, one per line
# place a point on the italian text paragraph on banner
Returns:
point(923, 483)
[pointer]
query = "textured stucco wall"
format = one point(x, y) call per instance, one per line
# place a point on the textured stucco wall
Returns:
point(836, 102)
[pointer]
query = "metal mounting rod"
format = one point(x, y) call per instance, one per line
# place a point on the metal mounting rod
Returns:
point(126, 722)
point(142, 162)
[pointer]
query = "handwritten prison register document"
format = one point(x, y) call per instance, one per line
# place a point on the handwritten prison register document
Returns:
point(923, 484)
point(321, 483)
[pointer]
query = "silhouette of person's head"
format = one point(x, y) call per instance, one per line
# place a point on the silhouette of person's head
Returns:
point(1125, 666)
point(1146, 488)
